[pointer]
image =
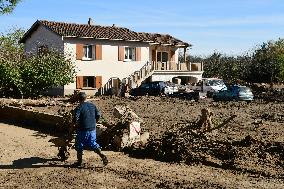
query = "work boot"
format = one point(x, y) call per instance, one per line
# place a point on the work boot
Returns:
point(104, 158)
point(79, 160)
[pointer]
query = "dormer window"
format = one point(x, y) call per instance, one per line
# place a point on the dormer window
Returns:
point(88, 51)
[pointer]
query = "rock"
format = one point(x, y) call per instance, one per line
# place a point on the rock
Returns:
point(125, 113)
point(100, 129)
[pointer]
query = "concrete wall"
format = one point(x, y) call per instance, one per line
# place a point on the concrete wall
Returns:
point(43, 36)
point(40, 121)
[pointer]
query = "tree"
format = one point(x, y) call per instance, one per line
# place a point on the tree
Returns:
point(40, 72)
point(30, 75)
point(11, 54)
point(281, 67)
point(7, 6)
point(267, 62)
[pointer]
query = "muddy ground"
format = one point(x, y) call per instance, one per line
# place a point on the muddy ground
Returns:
point(254, 167)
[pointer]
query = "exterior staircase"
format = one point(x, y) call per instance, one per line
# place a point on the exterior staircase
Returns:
point(171, 69)
point(137, 77)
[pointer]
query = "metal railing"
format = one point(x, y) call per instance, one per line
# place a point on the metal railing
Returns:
point(137, 77)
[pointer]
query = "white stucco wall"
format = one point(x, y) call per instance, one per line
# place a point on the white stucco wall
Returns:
point(109, 66)
point(43, 36)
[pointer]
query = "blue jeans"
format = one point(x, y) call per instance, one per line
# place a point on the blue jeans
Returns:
point(86, 139)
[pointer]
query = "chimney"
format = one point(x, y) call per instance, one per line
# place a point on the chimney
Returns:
point(90, 21)
point(113, 25)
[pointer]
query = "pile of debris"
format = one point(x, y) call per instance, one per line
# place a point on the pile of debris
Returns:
point(193, 143)
point(126, 133)
point(269, 93)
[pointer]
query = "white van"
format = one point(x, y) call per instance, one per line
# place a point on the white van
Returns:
point(210, 85)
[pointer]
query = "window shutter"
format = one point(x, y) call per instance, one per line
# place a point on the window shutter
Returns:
point(172, 56)
point(120, 53)
point(98, 52)
point(79, 51)
point(98, 82)
point(154, 55)
point(79, 82)
point(138, 53)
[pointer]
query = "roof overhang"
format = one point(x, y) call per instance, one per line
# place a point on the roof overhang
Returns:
point(29, 32)
point(34, 28)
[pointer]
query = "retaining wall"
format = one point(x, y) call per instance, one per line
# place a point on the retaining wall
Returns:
point(39, 120)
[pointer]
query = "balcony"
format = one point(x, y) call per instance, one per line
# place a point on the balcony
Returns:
point(174, 66)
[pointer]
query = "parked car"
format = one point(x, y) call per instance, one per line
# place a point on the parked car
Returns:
point(170, 88)
point(209, 86)
point(154, 88)
point(236, 92)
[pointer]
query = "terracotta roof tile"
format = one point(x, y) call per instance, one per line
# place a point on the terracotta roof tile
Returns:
point(108, 32)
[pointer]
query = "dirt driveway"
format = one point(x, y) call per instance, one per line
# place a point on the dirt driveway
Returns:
point(28, 161)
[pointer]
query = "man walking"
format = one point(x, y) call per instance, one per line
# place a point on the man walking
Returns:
point(86, 116)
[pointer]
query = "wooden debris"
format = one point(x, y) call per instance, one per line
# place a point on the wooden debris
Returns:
point(205, 122)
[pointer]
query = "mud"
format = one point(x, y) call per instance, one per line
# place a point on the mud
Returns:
point(245, 153)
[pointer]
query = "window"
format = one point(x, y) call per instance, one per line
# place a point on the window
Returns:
point(129, 53)
point(162, 56)
point(88, 52)
point(43, 49)
point(89, 82)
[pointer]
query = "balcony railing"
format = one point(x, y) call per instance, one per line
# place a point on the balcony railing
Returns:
point(136, 78)
point(174, 66)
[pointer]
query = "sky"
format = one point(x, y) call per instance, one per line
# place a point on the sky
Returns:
point(232, 27)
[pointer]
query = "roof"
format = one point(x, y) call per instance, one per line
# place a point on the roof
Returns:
point(103, 32)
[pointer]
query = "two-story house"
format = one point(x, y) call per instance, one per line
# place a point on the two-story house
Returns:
point(105, 54)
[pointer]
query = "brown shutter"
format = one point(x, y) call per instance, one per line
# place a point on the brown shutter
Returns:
point(79, 51)
point(120, 53)
point(154, 55)
point(172, 56)
point(98, 52)
point(138, 54)
point(79, 82)
point(98, 82)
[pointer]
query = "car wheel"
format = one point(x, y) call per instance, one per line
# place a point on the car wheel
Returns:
point(209, 94)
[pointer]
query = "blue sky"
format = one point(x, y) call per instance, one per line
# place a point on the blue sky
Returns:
point(228, 26)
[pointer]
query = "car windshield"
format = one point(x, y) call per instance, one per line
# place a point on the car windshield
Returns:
point(155, 85)
point(144, 85)
point(245, 89)
point(215, 82)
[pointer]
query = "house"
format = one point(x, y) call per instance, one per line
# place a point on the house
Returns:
point(105, 55)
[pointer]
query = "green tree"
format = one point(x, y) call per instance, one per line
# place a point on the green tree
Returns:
point(40, 72)
point(229, 68)
point(7, 6)
point(267, 62)
point(11, 55)
point(281, 67)
point(30, 75)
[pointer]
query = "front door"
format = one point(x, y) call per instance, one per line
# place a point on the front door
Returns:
point(163, 58)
